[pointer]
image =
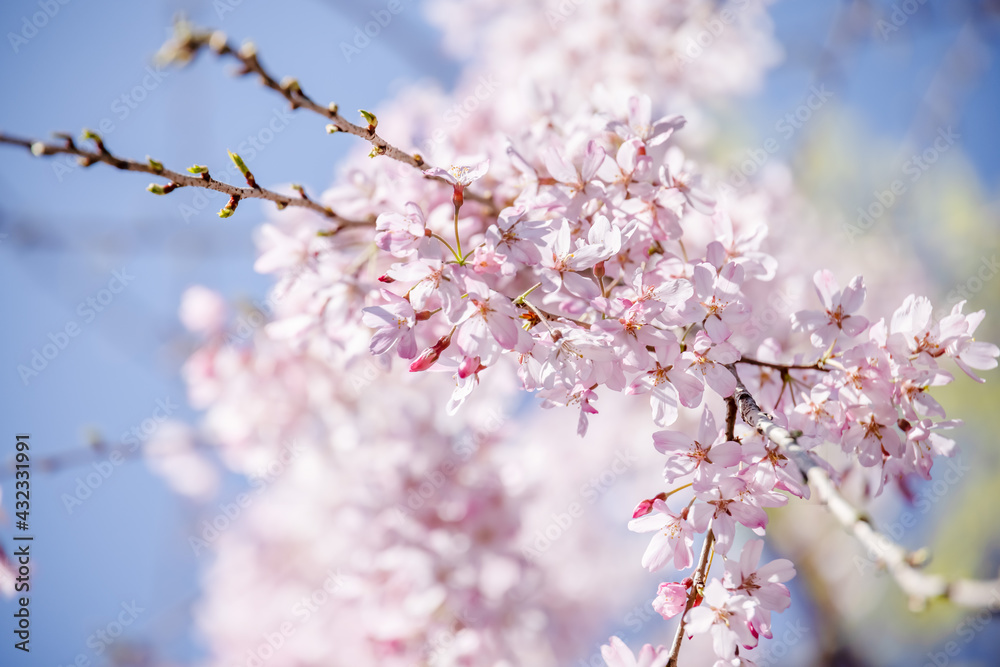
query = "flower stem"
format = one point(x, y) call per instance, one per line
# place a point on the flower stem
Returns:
point(519, 300)
point(458, 258)
point(458, 239)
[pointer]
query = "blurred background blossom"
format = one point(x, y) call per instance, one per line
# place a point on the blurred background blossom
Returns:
point(869, 126)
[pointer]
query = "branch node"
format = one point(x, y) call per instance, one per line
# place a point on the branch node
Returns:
point(230, 207)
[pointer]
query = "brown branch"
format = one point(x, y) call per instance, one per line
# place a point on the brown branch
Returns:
point(696, 590)
point(189, 41)
point(701, 572)
point(783, 367)
point(901, 564)
point(177, 179)
point(730, 418)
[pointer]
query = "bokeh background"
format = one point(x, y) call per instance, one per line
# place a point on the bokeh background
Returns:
point(64, 231)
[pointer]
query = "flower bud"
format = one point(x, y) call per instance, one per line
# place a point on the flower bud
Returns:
point(370, 119)
point(430, 355)
point(469, 366)
point(248, 50)
point(238, 161)
point(217, 42)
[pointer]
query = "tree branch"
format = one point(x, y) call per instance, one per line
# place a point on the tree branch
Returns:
point(700, 573)
point(698, 581)
point(177, 179)
point(188, 41)
point(901, 564)
point(783, 367)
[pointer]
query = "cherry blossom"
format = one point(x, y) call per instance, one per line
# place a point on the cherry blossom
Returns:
point(764, 584)
point(671, 598)
point(616, 654)
point(707, 457)
point(727, 617)
point(400, 233)
point(672, 541)
point(840, 308)
point(394, 326)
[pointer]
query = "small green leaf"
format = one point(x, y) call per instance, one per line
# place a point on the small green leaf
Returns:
point(369, 118)
point(199, 169)
point(238, 161)
point(156, 189)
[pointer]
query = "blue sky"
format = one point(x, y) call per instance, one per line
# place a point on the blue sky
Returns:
point(68, 231)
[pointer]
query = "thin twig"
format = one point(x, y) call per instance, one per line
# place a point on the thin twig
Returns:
point(696, 588)
point(783, 367)
point(101, 154)
point(189, 41)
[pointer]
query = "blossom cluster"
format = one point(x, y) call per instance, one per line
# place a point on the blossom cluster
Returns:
point(582, 273)
point(573, 249)
point(597, 262)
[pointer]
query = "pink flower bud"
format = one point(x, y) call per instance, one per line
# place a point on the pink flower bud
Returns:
point(430, 355)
